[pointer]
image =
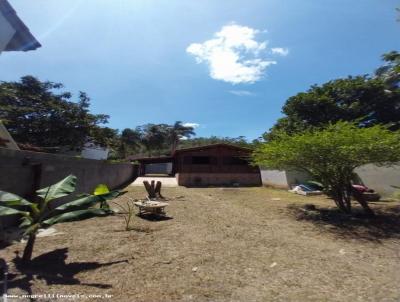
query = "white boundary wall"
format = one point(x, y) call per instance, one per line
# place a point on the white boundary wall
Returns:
point(381, 179)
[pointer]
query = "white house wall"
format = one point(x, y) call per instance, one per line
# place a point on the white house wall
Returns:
point(381, 179)
point(95, 153)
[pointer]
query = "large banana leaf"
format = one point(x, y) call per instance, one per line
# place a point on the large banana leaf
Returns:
point(86, 201)
point(75, 216)
point(60, 189)
point(10, 199)
point(5, 211)
point(111, 195)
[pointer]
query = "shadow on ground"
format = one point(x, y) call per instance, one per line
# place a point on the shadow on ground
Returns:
point(385, 225)
point(52, 268)
point(153, 217)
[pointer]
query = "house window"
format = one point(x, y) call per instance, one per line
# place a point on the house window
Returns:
point(201, 160)
point(235, 161)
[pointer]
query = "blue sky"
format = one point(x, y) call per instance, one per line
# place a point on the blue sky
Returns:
point(227, 65)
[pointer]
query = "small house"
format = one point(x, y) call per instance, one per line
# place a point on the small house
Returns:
point(210, 165)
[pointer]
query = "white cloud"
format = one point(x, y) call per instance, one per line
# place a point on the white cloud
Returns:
point(280, 51)
point(241, 92)
point(233, 55)
point(194, 125)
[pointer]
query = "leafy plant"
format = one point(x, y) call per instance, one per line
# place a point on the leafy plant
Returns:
point(102, 192)
point(127, 212)
point(330, 156)
point(40, 213)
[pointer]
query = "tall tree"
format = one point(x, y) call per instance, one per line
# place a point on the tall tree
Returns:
point(154, 137)
point(178, 131)
point(35, 113)
point(369, 101)
point(130, 141)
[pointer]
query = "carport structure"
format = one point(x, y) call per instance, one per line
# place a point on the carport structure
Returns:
point(155, 165)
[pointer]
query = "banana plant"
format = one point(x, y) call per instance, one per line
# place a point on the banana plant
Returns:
point(40, 213)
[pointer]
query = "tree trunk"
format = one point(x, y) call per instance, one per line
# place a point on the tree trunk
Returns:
point(341, 202)
point(347, 198)
point(150, 189)
point(27, 256)
point(153, 189)
point(174, 145)
point(360, 199)
point(157, 190)
point(342, 205)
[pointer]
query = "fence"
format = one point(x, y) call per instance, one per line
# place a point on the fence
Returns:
point(22, 172)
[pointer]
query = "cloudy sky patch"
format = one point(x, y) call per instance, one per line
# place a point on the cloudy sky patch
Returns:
point(234, 54)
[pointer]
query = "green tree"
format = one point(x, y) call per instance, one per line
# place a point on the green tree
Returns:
point(154, 137)
point(331, 155)
point(40, 212)
point(390, 71)
point(37, 113)
point(105, 137)
point(130, 141)
point(365, 100)
point(178, 131)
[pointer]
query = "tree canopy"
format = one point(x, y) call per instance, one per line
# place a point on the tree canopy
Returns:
point(368, 100)
point(37, 113)
point(332, 154)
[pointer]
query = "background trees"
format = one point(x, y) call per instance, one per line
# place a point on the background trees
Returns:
point(178, 131)
point(39, 114)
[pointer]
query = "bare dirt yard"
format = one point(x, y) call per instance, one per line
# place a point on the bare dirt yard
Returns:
point(232, 244)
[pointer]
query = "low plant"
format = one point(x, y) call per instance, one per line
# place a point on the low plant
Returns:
point(40, 212)
point(127, 212)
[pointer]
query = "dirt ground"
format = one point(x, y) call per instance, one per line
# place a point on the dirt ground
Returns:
point(232, 244)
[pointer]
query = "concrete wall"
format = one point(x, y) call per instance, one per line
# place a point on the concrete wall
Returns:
point(282, 179)
point(218, 179)
point(381, 179)
point(274, 178)
point(95, 153)
point(17, 172)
